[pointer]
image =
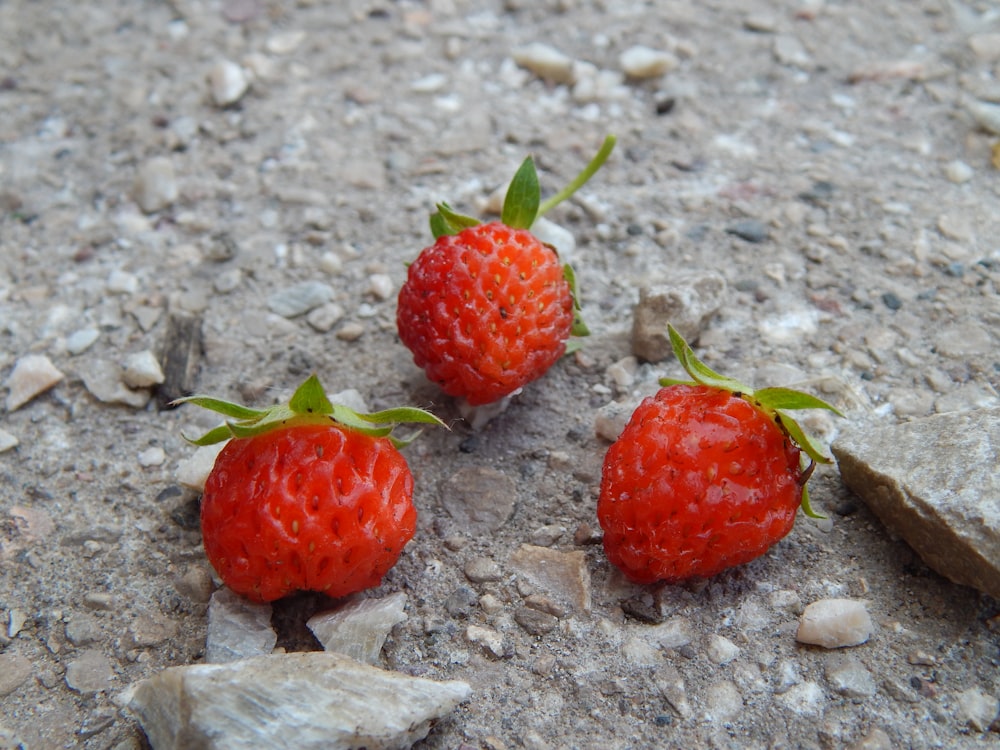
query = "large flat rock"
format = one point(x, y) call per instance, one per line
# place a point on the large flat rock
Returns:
point(301, 700)
point(935, 482)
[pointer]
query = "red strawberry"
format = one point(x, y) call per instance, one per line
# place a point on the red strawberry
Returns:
point(306, 496)
point(706, 475)
point(488, 308)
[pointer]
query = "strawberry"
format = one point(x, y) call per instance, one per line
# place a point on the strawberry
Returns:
point(706, 475)
point(306, 495)
point(488, 308)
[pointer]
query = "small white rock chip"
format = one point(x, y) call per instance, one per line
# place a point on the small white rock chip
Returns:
point(550, 233)
point(228, 83)
point(79, 341)
point(545, 62)
point(312, 701)
point(381, 286)
point(835, 623)
point(33, 374)
point(488, 639)
point(359, 628)
point(645, 62)
point(611, 419)
point(154, 456)
point(194, 470)
point(720, 650)
point(155, 185)
point(142, 370)
point(7, 441)
point(958, 172)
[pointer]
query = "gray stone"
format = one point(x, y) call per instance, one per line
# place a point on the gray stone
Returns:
point(723, 702)
point(933, 481)
point(479, 499)
point(687, 301)
point(358, 628)
point(314, 700)
point(848, 676)
point(103, 380)
point(535, 621)
point(563, 576)
point(90, 672)
point(670, 683)
point(83, 629)
point(482, 570)
point(720, 650)
point(237, 628)
point(299, 299)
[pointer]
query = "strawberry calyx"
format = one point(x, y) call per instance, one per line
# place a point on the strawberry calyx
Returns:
point(522, 206)
point(773, 402)
point(309, 405)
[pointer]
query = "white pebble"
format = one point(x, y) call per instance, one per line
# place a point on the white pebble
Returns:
point(976, 709)
point(381, 286)
point(429, 83)
point(958, 172)
point(155, 185)
point(720, 650)
point(325, 317)
point(545, 62)
point(142, 370)
point(560, 238)
point(835, 623)
point(351, 331)
point(154, 456)
point(645, 62)
point(122, 282)
point(611, 420)
point(7, 441)
point(80, 341)
point(986, 115)
point(228, 83)
point(285, 41)
point(33, 374)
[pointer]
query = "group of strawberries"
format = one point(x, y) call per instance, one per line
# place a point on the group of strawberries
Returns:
point(310, 495)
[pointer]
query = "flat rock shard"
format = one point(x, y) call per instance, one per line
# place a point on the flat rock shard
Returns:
point(314, 700)
point(934, 482)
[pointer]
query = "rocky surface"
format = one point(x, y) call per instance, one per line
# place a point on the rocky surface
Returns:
point(236, 186)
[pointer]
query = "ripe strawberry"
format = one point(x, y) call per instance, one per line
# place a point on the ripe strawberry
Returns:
point(707, 475)
point(489, 308)
point(306, 496)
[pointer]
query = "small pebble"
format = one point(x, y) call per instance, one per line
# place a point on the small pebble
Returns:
point(381, 286)
point(325, 317)
point(545, 62)
point(80, 341)
point(644, 62)
point(32, 375)
point(7, 441)
point(194, 470)
point(155, 185)
point(142, 370)
point(482, 570)
point(488, 639)
point(835, 623)
point(750, 230)
point(720, 650)
point(299, 299)
point(122, 282)
point(611, 419)
point(154, 456)
point(352, 330)
point(958, 172)
point(237, 628)
point(359, 628)
point(227, 82)
point(90, 672)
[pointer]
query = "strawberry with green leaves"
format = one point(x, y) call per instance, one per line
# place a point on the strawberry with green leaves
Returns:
point(707, 475)
point(306, 495)
point(488, 307)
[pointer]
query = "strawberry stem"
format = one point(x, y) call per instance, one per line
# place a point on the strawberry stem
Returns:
point(596, 163)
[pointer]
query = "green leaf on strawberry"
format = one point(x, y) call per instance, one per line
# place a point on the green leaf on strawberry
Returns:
point(308, 405)
point(524, 195)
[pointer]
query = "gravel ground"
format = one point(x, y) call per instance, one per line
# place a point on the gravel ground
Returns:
point(831, 160)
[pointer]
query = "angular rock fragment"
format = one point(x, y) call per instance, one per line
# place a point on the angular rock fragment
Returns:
point(834, 623)
point(359, 628)
point(237, 628)
point(687, 302)
point(545, 62)
point(155, 185)
point(479, 499)
point(563, 576)
point(32, 375)
point(314, 700)
point(227, 82)
point(934, 482)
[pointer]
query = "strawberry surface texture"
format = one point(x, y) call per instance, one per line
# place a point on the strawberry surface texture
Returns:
point(699, 481)
point(311, 507)
point(485, 311)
